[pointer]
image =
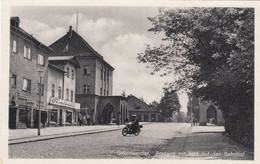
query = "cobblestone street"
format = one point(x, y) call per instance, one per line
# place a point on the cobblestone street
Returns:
point(157, 140)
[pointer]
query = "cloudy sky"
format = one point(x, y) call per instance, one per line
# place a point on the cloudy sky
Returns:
point(117, 33)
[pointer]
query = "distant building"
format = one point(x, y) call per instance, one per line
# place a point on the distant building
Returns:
point(141, 109)
point(204, 111)
point(94, 80)
point(27, 57)
point(62, 108)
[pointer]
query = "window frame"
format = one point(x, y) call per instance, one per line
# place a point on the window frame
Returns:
point(29, 85)
point(59, 92)
point(43, 60)
point(68, 72)
point(71, 95)
point(15, 81)
point(28, 55)
point(53, 90)
point(14, 49)
point(67, 94)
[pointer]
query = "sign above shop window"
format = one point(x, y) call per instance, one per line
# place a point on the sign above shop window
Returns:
point(66, 103)
point(26, 99)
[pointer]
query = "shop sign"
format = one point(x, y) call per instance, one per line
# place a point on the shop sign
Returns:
point(66, 103)
point(26, 99)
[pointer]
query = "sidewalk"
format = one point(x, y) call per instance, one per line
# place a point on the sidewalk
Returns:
point(30, 135)
point(205, 142)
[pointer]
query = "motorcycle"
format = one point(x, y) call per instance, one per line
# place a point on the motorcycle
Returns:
point(128, 129)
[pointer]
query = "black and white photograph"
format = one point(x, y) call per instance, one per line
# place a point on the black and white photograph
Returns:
point(129, 81)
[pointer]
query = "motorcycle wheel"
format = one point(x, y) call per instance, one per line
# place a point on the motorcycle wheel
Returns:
point(124, 131)
point(137, 132)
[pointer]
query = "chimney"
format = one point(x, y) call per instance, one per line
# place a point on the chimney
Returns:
point(15, 21)
point(70, 31)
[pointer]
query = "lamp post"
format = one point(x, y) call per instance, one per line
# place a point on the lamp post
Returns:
point(40, 92)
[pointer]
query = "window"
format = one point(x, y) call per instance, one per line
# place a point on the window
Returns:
point(102, 73)
point(87, 70)
point(107, 93)
point(72, 74)
point(27, 53)
point(59, 93)
point(68, 72)
point(40, 59)
point(54, 115)
point(67, 94)
point(69, 116)
point(104, 92)
point(71, 95)
point(53, 90)
point(107, 75)
point(88, 88)
point(85, 88)
point(100, 91)
point(14, 46)
point(42, 89)
point(13, 80)
point(26, 85)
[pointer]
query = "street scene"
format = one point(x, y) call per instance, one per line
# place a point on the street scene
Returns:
point(156, 140)
point(121, 82)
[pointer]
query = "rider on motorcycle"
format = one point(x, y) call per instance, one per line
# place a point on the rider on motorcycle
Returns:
point(134, 122)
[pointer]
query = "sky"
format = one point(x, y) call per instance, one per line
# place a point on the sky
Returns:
point(117, 33)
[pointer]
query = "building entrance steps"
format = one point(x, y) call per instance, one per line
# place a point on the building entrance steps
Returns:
point(30, 135)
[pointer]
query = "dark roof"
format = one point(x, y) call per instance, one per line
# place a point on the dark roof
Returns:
point(57, 68)
point(61, 43)
point(72, 59)
point(29, 36)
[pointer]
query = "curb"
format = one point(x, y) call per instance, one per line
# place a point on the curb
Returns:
point(54, 136)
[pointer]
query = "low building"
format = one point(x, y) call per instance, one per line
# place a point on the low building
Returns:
point(141, 109)
point(62, 108)
point(28, 57)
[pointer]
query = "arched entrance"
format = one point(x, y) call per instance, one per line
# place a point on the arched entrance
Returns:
point(107, 113)
point(212, 115)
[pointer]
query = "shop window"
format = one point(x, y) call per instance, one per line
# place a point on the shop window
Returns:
point(42, 89)
point(27, 53)
point(69, 116)
point(59, 93)
point(22, 115)
point(54, 115)
point(40, 59)
point(145, 117)
point(153, 117)
point(27, 85)
point(13, 81)
point(14, 46)
point(53, 90)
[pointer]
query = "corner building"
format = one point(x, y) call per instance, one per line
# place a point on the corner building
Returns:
point(62, 108)
point(94, 78)
point(28, 56)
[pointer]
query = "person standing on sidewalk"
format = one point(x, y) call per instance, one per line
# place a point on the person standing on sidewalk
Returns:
point(88, 119)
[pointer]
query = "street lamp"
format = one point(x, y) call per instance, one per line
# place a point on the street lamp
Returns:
point(40, 73)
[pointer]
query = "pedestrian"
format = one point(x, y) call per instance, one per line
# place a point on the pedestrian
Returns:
point(88, 119)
